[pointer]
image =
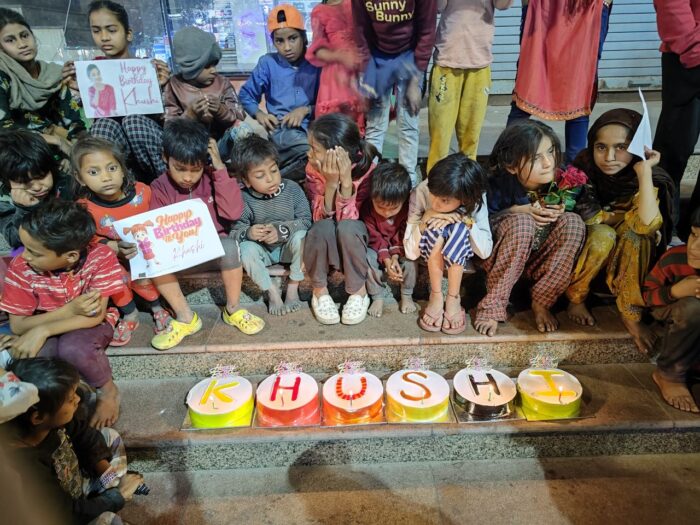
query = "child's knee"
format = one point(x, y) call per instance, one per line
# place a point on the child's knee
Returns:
point(232, 254)
point(686, 311)
point(518, 226)
point(600, 239)
point(250, 252)
point(321, 232)
point(573, 225)
point(296, 241)
point(350, 232)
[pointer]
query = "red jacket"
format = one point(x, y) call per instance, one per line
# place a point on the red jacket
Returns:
point(395, 27)
point(385, 237)
point(678, 22)
point(217, 189)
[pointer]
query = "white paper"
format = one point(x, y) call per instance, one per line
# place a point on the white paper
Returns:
point(171, 238)
point(643, 135)
point(114, 88)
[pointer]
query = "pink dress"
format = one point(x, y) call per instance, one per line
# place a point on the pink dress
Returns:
point(106, 102)
point(337, 92)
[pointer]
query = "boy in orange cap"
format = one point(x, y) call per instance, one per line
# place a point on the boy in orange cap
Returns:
point(289, 84)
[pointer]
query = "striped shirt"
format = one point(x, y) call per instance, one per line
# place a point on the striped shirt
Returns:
point(288, 211)
point(671, 269)
point(28, 292)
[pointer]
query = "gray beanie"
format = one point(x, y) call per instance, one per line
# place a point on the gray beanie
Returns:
point(193, 49)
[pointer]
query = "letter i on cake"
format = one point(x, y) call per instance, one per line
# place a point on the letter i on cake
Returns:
point(417, 395)
point(547, 392)
point(353, 396)
point(482, 392)
point(224, 400)
point(288, 398)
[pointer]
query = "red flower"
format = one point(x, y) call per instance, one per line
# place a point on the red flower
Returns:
point(570, 178)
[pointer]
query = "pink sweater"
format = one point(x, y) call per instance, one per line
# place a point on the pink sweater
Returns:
point(345, 207)
point(217, 189)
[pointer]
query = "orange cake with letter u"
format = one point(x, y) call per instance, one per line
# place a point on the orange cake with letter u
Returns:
point(353, 396)
point(288, 398)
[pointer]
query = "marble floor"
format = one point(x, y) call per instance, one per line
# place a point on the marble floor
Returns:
point(653, 489)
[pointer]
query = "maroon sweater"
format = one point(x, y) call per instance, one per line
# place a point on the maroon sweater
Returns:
point(385, 237)
point(671, 269)
point(395, 26)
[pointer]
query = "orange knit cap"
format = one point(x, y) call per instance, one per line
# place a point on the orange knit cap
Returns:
point(285, 15)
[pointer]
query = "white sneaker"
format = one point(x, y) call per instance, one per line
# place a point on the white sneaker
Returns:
point(355, 310)
point(324, 309)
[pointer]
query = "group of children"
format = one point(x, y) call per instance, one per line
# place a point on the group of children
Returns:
point(316, 196)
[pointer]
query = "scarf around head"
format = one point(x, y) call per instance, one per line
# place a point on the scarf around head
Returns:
point(26, 92)
point(603, 190)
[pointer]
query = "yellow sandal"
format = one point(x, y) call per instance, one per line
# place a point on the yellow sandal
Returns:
point(242, 319)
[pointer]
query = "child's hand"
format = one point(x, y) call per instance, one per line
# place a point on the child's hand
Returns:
point(294, 118)
point(199, 109)
point(393, 268)
point(542, 216)
point(128, 250)
point(89, 304)
point(214, 104)
point(162, 71)
point(437, 221)
point(28, 344)
point(23, 197)
point(267, 121)
point(350, 59)
point(68, 77)
point(216, 161)
point(6, 341)
point(652, 159)
point(128, 485)
point(271, 236)
point(688, 287)
point(257, 232)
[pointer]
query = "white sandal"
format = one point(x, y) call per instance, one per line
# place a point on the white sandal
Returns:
point(324, 309)
point(355, 310)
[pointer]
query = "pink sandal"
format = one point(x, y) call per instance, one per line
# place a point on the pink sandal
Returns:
point(161, 318)
point(123, 333)
point(451, 330)
point(431, 322)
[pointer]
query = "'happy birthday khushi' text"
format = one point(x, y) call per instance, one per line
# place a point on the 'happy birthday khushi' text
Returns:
point(136, 77)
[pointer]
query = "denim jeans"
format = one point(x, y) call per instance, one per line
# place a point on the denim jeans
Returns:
point(408, 127)
point(575, 130)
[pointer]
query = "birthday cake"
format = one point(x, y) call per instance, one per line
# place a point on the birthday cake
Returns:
point(417, 396)
point(221, 401)
point(484, 393)
point(288, 399)
point(549, 393)
point(352, 397)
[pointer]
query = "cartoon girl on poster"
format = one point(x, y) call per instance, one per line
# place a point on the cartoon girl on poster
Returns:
point(102, 98)
point(143, 242)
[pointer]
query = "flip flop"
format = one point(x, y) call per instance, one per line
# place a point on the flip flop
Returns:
point(435, 319)
point(451, 320)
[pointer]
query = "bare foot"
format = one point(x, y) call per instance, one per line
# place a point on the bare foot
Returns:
point(580, 314)
point(376, 309)
point(291, 300)
point(488, 327)
point(275, 304)
point(544, 319)
point(675, 394)
point(107, 408)
point(642, 335)
point(406, 305)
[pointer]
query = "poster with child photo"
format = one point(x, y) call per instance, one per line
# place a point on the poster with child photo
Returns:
point(114, 88)
point(170, 239)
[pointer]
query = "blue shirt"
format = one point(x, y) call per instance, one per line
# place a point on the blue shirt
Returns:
point(286, 87)
point(505, 191)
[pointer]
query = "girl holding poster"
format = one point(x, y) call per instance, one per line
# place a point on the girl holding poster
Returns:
point(139, 136)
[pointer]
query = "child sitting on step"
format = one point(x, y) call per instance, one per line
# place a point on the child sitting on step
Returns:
point(200, 93)
point(672, 289)
point(276, 216)
point(448, 225)
point(29, 175)
point(289, 84)
point(531, 240)
point(338, 177)
point(196, 171)
point(110, 194)
point(80, 473)
point(56, 293)
point(384, 215)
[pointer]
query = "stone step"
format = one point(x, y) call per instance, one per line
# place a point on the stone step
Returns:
point(628, 418)
point(382, 343)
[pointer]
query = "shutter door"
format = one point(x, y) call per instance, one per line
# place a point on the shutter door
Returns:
point(631, 56)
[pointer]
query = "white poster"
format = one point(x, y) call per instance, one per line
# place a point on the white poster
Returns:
point(114, 88)
point(171, 238)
